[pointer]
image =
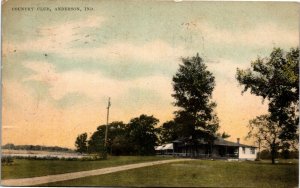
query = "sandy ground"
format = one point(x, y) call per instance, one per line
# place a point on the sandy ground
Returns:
point(75, 175)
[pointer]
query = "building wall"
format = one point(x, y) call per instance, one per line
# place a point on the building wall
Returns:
point(246, 154)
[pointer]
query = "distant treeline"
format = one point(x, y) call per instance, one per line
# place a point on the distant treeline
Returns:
point(286, 154)
point(35, 147)
point(138, 137)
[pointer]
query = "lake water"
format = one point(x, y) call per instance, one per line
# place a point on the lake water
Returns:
point(40, 154)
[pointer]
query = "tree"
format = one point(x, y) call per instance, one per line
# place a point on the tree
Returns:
point(266, 132)
point(137, 137)
point(96, 141)
point(223, 135)
point(116, 130)
point(142, 134)
point(121, 145)
point(193, 85)
point(276, 79)
point(117, 138)
point(81, 143)
point(169, 131)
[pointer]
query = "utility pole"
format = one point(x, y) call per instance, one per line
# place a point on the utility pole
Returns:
point(106, 130)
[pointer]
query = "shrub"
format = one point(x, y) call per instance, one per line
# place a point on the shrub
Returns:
point(7, 160)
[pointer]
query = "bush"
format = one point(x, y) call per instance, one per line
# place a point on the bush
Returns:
point(265, 154)
point(37, 158)
point(92, 158)
point(285, 154)
point(7, 160)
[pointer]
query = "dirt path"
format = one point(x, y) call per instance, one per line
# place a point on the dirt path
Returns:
point(81, 174)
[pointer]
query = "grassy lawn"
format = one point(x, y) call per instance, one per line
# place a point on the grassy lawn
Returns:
point(24, 168)
point(199, 173)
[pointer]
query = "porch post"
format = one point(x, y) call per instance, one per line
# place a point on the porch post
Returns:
point(185, 149)
point(173, 148)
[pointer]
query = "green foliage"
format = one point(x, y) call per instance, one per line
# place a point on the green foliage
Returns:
point(142, 134)
point(284, 154)
point(7, 160)
point(265, 154)
point(42, 158)
point(96, 142)
point(287, 154)
point(168, 132)
point(137, 137)
point(118, 139)
point(277, 79)
point(81, 143)
point(223, 135)
point(266, 132)
point(193, 85)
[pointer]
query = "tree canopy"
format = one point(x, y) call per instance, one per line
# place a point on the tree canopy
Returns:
point(223, 135)
point(138, 137)
point(168, 132)
point(142, 134)
point(193, 85)
point(81, 143)
point(116, 133)
point(266, 132)
point(276, 78)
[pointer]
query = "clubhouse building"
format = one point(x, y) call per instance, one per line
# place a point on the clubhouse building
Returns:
point(219, 149)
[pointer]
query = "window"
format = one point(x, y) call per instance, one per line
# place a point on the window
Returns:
point(244, 150)
point(252, 150)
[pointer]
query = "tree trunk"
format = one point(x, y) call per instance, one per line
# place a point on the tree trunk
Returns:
point(258, 155)
point(273, 154)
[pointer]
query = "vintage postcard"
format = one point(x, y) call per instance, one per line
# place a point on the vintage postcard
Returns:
point(150, 93)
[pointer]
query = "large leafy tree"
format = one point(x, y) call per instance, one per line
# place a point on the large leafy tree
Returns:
point(276, 79)
point(168, 132)
point(266, 133)
point(117, 138)
point(116, 130)
point(139, 136)
point(96, 141)
point(193, 85)
point(81, 143)
point(142, 134)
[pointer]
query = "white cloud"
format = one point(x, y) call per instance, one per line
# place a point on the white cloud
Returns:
point(92, 84)
point(55, 38)
point(43, 71)
point(60, 39)
point(155, 52)
point(265, 35)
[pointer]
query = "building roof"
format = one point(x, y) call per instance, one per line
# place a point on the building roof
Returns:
point(158, 148)
point(164, 147)
point(168, 146)
point(219, 142)
point(222, 142)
